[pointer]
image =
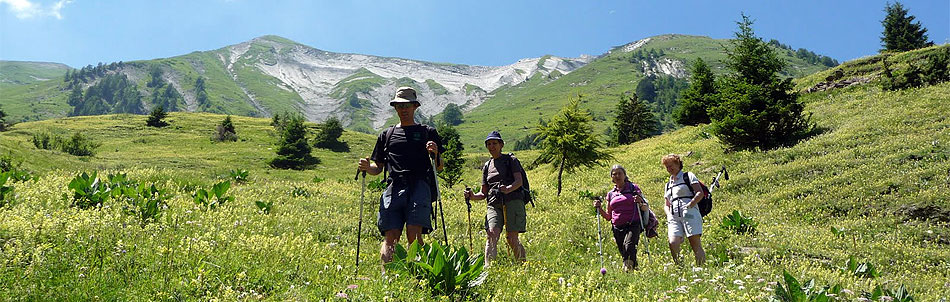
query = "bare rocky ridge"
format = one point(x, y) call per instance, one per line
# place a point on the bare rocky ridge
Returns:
point(313, 74)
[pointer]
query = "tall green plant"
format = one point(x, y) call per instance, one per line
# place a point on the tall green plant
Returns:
point(214, 198)
point(445, 271)
point(568, 141)
point(6, 192)
point(793, 291)
point(88, 191)
point(738, 223)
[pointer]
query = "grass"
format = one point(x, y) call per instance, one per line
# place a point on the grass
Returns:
point(861, 174)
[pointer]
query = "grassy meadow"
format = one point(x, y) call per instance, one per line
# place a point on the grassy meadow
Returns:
point(879, 170)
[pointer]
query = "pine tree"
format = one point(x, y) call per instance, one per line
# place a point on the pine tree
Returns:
point(201, 97)
point(568, 141)
point(155, 119)
point(452, 158)
point(695, 101)
point(634, 121)
point(452, 115)
point(225, 131)
point(293, 151)
point(757, 109)
point(900, 31)
point(329, 136)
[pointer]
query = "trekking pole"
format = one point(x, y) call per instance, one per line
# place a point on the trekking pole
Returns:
point(438, 198)
point(468, 203)
point(359, 228)
point(600, 242)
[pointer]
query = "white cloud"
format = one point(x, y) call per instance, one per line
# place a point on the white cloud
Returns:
point(25, 9)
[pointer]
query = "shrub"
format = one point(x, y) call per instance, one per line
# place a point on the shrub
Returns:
point(79, 145)
point(936, 70)
point(155, 119)
point(738, 223)
point(46, 140)
point(214, 198)
point(446, 271)
point(224, 132)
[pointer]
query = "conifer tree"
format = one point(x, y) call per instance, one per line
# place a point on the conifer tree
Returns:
point(757, 109)
point(225, 131)
point(452, 158)
point(155, 119)
point(452, 115)
point(901, 33)
point(329, 136)
point(568, 141)
point(293, 151)
point(634, 121)
point(695, 101)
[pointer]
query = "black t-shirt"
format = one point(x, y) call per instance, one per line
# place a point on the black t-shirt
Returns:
point(407, 149)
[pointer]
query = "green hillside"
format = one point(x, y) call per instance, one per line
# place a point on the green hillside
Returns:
point(21, 73)
point(880, 171)
point(516, 110)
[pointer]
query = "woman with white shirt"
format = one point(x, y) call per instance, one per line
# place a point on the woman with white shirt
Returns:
point(682, 194)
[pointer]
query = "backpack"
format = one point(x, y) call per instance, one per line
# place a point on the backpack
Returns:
point(705, 204)
point(430, 177)
point(525, 187)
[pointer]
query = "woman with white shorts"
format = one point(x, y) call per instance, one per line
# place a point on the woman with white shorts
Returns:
point(682, 214)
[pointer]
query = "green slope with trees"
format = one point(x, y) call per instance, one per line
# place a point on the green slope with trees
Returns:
point(515, 110)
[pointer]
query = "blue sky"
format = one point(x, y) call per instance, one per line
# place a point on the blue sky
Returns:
point(81, 32)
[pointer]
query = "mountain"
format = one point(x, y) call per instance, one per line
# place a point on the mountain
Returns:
point(662, 60)
point(270, 74)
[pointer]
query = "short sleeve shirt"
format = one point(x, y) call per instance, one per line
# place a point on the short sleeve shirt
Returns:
point(498, 170)
point(677, 190)
point(623, 207)
point(407, 153)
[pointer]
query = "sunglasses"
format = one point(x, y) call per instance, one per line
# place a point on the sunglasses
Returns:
point(403, 105)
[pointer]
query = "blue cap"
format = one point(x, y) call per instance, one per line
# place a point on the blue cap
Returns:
point(494, 135)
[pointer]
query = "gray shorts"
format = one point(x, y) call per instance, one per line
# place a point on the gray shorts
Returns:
point(404, 204)
point(689, 225)
point(512, 215)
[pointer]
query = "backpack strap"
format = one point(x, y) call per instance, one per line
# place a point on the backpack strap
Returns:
point(688, 181)
point(386, 138)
